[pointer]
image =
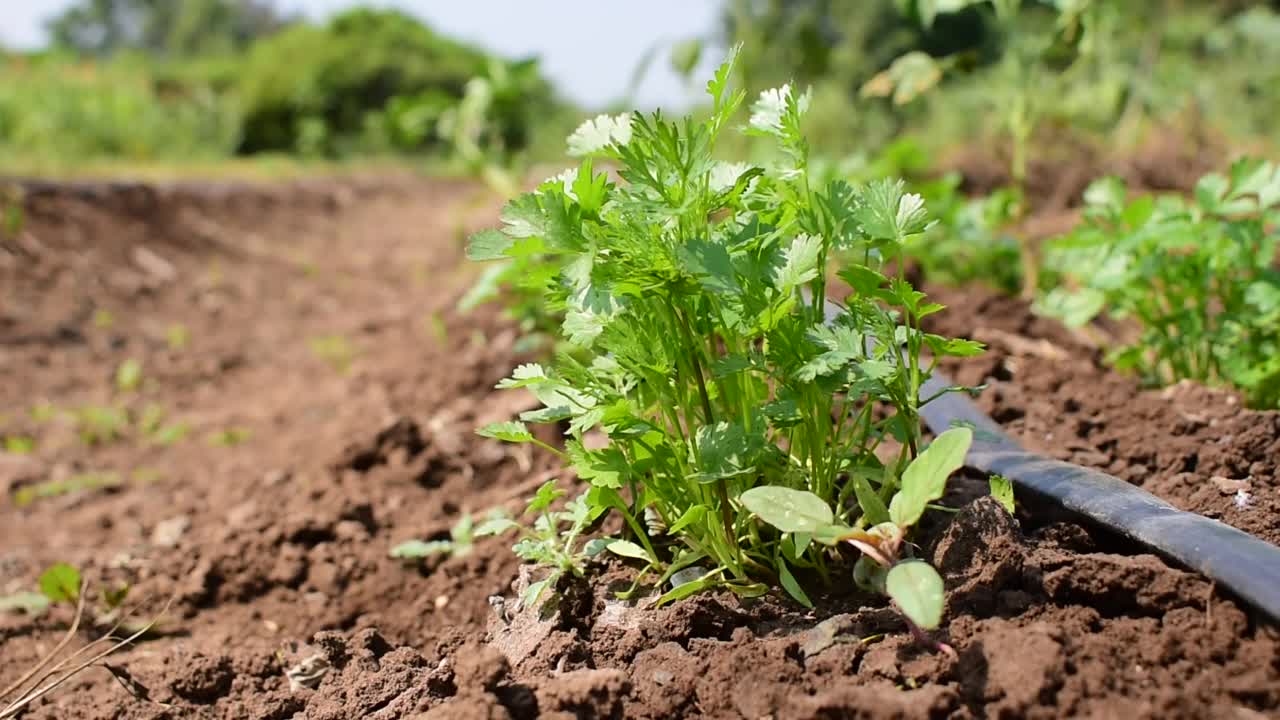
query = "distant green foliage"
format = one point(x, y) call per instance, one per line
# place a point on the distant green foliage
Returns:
point(1197, 276)
point(164, 27)
point(367, 82)
point(372, 77)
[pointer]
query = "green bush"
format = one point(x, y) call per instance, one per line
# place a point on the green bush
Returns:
point(55, 108)
point(371, 78)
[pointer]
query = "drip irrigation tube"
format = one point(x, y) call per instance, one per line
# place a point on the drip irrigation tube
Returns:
point(1247, 566)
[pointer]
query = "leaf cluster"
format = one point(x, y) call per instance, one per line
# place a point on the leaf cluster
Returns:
point(1196, 275)
point(705, 356)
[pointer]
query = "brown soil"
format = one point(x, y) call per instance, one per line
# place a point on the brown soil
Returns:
point(273, 539)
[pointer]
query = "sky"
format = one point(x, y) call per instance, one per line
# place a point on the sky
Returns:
point(589, 48)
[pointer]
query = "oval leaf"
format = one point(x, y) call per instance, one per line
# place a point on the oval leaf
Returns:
point(628, 549)
point(788, 510)
point(925, 479)
point(60, 582)
point(918, 590)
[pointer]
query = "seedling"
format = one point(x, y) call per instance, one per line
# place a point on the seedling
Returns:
point(229, 437)
point(1197, 277)
point(177, 337)
point(103, 319)
point(19, 444)
point(694, 305)
point(78, 483)
point(334, 349)
point(462, 537)
point(100, 424)
point(879, 532)
point(129, 376)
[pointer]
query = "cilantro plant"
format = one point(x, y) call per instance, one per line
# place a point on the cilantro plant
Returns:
point(1197, 276)
point(702, 361)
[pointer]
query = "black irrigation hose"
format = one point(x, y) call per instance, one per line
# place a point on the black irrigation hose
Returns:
point(1245, 565)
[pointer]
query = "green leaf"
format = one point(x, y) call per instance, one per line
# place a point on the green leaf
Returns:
point(628, 549)
point(925, 479)
point(547, 494)
point(420, 549)
point(726, 450)
point(534, 592)
point(873, 508)
point(790, 585)
point(496, 525)
point(1002, 491)
point(787, 509)
point(689, 517)
point(29, 602)
point(919, 591)
point(885, 211)
point(488, 245)
point(800, 263)
point(510, 431)
point(129, 375)
point(60, 583)
point(599, 133)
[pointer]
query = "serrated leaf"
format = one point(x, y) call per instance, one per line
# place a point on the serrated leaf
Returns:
point(60, 583)
point(600, 132)
point(547, 493)
point(534, 592)
point(511, 431)
point(800, 263)
point(488, 245)
point(925, 479)
point(1002, 491)
point(918, 591)
point(788, 510)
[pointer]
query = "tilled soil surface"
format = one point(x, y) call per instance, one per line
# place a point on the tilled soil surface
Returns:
point(305, 339)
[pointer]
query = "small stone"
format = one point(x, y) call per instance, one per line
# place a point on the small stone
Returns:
point(663, 677)
point(167, 533)
point(441, 601)
point(271, 626)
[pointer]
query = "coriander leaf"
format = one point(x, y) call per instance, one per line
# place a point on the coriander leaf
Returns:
point(510, 431)
point(488, 245)
point(800, 263)
point(599, 133)
point(547, 494)
point(918, 590)
point(925, 479)
point(787, 509)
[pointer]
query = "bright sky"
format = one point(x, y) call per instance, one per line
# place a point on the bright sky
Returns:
point(589, 48)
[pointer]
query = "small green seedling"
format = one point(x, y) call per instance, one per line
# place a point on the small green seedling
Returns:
point(914, 585)
point(335, 350)
point(1002, 491)
point(101, 424)
point(129, 376)
point(81, 482)
point(103, 319)
point(229, 437)
point(462, 537)
point(177, 337)
point(19, 444)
